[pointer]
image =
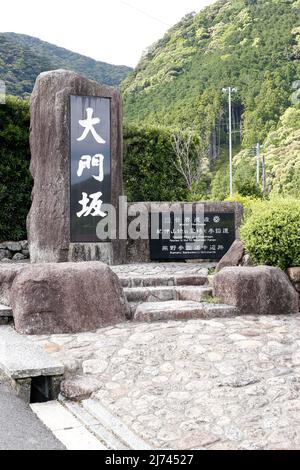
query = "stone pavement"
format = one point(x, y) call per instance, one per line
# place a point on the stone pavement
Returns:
point(165, 269)
point(231, 383)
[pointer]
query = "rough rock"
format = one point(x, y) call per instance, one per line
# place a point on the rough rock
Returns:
point(14, 246)
point(166, 311)
point(24, 245)
point(247, 261)
point(79, 388)
point(260, 290)
point(67, 298)
point(233, 257)
point(294, 274)
point(8, 272)
point(48, 223)
point(4, 254)
point(19, 257)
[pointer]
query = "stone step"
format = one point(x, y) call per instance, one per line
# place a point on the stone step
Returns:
point(138, 295)
point(5, 311)
point(150, 294)
point(162, 280)
point(181, 310)
point(194, 293)
point(6, 315)
point(167, 293)
point(27, 366)
point(113, 424)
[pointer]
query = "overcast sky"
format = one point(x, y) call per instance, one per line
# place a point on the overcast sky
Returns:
point(114, 31)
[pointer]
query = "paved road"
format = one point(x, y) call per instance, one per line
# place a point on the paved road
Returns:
point(20, 429)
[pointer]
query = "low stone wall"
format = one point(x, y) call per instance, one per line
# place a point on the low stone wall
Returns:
point(14, 251)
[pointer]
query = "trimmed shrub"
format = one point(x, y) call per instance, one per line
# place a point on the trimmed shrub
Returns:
point(15, 179)
point(271, 233)
point(149, 170)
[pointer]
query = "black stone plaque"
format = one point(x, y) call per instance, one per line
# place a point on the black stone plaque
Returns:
point(211, 239)
point(90, 165)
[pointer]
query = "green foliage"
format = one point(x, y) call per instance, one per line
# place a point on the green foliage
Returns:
point(149, 170)
point(210, 300)
point(247, 201)
point(15, 180)
point(252, 45)
point(201, 190)
point(271, 233)
point(244, 177)
point(282, 154)
point(23, 58)
point(244, 180)
point(220, 184)
point(149, 167)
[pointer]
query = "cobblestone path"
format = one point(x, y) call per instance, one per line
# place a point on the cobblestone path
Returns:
point(227, 384)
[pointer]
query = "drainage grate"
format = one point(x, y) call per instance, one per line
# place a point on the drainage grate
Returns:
point(42, 390)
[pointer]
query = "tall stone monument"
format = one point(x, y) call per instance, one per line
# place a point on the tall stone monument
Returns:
point(76, 163)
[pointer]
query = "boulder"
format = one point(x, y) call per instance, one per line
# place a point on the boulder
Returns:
point(256, 290)
point(233, 257)
point(4, 254)
point(67, 298)
point(24, 245)
point(25, 253)
point(14, 246)
point(247, 261)
point(8, 272)
point(19, 257)
point(79, 388)
point(294, 274)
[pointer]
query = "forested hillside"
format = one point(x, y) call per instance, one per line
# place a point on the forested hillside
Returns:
point(253, 45)
point(282, 153)
point(23, 58)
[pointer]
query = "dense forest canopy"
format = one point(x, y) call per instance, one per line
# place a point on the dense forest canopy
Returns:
point(23, 58)
point(253, 45)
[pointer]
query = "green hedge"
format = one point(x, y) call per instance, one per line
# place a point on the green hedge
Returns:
point(271, 233)
point(149, 171)
point(15, 179)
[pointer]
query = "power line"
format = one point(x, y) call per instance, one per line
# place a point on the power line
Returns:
point(144, 13)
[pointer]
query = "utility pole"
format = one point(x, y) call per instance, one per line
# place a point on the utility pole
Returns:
point(258, 163)
point(230, 90)
point(264, 176)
